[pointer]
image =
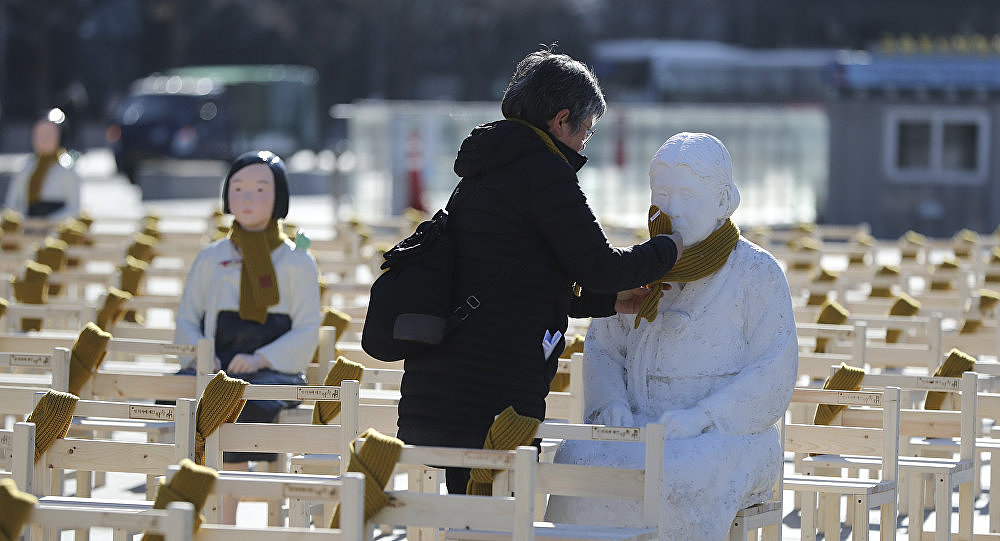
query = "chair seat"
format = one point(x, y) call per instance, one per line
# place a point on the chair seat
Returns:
point(759, 515)
point(72, 502)
point(839, 485)
point(549, 531)
point(121, 425)
point(760, 508)
point(920, 464)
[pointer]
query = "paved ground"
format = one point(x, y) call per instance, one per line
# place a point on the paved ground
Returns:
point(105, 194)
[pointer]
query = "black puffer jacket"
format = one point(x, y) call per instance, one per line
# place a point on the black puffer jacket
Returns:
point(527, 200)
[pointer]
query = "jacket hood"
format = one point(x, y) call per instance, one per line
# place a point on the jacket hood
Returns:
point(497, 144)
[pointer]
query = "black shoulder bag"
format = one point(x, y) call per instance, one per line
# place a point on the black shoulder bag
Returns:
point(411, 306)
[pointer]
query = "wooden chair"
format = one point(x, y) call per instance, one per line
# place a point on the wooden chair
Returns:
point(285, 438)
point(92, 455)
point(53, 315)
point(175, 523)
point(944, 474)
point(500, 516)
point(643, 485)
point(347, 489)
point(864, 494)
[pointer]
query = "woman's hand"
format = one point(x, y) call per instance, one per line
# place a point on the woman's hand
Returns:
point(244, 363)
point(629, 301)
point(678, 242)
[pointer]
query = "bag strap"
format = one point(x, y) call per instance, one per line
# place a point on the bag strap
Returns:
point(462, 312)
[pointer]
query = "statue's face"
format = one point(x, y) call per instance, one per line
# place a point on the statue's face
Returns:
point(251, 196)
point(695, 206)
point(45, 138)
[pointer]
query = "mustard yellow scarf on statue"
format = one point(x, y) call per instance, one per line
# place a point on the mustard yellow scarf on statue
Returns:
point(698, 261)
point(258, 281)
point(37, 179)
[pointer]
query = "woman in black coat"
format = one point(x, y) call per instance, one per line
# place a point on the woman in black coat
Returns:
point(520, 195)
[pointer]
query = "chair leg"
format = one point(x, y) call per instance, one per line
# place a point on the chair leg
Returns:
point(772, 532)
point(83, 490)
point(423, 480)
point(830, 511)
point(738, 530)
point(915, 512)
point(994, 486)
point(942, 507)
point(859, 530)
point(808, 515)
point(887, 524)
point(966, 502)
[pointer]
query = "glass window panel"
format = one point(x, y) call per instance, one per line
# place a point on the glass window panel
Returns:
point(914, 145)
point(960, 147)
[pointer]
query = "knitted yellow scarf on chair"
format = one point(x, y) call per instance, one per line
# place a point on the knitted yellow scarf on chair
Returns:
point(697, 262)
point(17, 508)
point(953, 366)
point(87, 355)
point(988, 300)
point(509, 430)
point(258, 282)
point(192, 484)
point(221, 402)
point(376, 459)
point(325, 411)
point(52, 417)
point(846, 378)
point(32, 288)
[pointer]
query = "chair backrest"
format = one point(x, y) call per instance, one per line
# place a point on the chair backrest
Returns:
point(928, 423)
point(122, 382)
point(845, 344)
point(175, 523)
point(115, 455)
point(19, 440)
point(289, 438)
point(348, 489)
point(922, 350)
point(49, 369)
point(833, 439)
point(604, 482)
point(494, 513)
point(66, 316)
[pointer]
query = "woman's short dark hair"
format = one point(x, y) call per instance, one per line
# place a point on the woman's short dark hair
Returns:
point(544, 83)
point(277, 167)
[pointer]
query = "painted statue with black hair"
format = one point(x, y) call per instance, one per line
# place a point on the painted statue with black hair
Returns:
point(254, 293)
point(280, 174)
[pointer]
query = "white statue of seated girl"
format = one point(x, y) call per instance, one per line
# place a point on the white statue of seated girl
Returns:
point(716, 365)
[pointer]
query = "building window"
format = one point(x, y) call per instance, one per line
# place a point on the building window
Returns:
point(946, 146)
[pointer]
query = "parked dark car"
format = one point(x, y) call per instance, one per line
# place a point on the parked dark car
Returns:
point(171, 116)
point(215, 112)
